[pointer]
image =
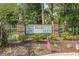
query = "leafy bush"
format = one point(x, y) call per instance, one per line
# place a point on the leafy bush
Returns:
point(51, 36)
point(36, 36)
point(23, 37)
point(65, 35)
point(16, 37)
point(44, 36)
point(13, 37)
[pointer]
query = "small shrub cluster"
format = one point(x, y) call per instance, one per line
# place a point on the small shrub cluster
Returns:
point(13, 37)
point(65, 35)
point(22, 37)
point(17, 37)
point(41, 36)
point(51, 36)
point(37, 36)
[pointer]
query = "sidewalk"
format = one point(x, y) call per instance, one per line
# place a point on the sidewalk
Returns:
point(64, 54)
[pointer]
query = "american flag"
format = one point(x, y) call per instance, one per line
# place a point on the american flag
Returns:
point(77, 45)
point(49, 47)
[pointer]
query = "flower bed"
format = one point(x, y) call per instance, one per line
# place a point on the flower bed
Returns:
point(21, 44)
point(39, 48)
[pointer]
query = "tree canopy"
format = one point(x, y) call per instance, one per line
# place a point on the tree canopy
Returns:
point(66, 14)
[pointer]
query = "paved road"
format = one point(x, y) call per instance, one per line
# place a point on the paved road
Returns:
point(64, 54)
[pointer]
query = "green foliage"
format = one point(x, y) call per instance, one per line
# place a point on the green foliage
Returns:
point(51, 36)
point(36, 36)
point(47, 16)
point(3, 35)
point(13, 37)
point(65, 35)
point(68, 13)
point(32, 13)
point(23, 37)
point(9, 13)
point(17, 37)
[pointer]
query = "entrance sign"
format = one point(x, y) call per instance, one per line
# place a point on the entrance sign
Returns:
point(31, 29)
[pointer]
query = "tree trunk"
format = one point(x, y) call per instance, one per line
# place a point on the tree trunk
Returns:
point(4, 36)
point(42, 8)
point(55, 27)
point(54, 21)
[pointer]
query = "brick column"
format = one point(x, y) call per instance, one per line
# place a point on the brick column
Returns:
point(55, 27)
point(21, 27)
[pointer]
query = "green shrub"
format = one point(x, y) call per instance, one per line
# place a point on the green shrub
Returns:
point(51, 36)
point(43, 36)
point(23, 37)
point(16, 37)
point(36, 36)
point(65, 35)
point(13, 37)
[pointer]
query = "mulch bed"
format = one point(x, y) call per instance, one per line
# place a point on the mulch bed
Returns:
point(21, 49)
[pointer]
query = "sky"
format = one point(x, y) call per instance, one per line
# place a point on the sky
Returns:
point(45, 5)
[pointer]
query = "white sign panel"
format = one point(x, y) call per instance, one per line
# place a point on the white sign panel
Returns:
point(30, 29)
